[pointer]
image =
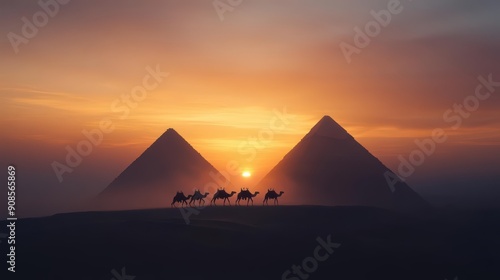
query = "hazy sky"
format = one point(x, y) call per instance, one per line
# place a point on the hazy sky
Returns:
point(229, 73)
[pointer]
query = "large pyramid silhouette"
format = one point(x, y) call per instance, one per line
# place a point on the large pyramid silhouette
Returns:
point(170, 164)
point(329, 167)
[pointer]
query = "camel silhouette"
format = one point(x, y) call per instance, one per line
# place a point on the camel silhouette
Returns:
point(271, 194)
point(222, 194)
point(180, 198)
point(198, 196)
point(245, 194)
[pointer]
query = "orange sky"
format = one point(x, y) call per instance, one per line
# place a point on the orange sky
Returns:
point(227, 77)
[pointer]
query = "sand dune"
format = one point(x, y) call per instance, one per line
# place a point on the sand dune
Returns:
point(258, 243)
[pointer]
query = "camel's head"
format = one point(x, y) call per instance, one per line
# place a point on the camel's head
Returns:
point(233, 192)
point(282, 192)
point(206, 193)
point(256, 193)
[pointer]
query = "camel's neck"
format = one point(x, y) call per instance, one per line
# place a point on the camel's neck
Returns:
point(279, 194)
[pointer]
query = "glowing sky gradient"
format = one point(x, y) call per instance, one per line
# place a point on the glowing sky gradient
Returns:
point(227, 77)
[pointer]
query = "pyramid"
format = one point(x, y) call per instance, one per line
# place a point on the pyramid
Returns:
point(169, 165)
point(329, 167)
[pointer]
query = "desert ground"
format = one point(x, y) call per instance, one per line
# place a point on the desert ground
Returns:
point(260, 243)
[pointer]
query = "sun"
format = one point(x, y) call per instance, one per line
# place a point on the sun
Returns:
point(246, 174)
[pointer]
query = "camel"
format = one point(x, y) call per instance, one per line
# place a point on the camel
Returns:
point(181, 198)
point(245, 195)
point(198, 196)
point(271, 194)
point(222, 194)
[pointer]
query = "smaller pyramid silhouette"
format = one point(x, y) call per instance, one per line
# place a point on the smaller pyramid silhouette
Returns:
point(329, 167)
point(169, 165)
